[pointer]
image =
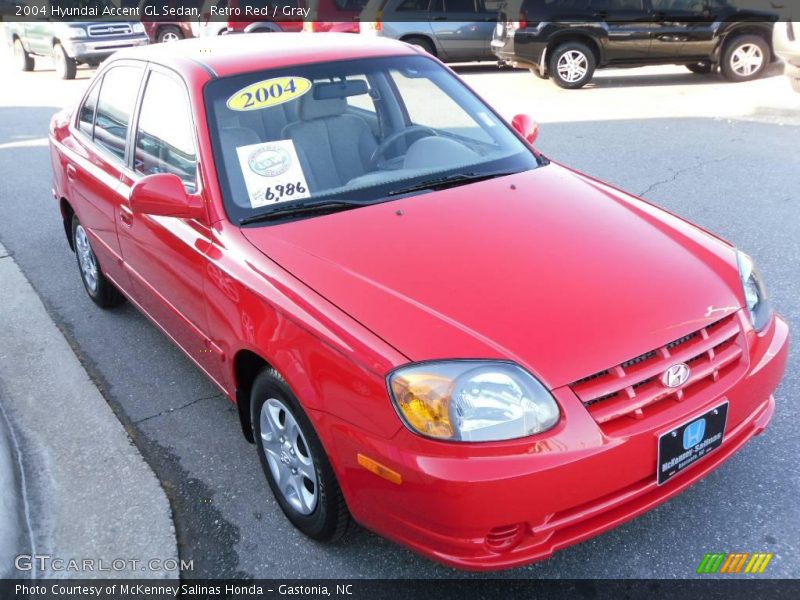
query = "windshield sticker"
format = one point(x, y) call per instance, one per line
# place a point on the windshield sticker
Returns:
point(272, 173)
point(269, 92)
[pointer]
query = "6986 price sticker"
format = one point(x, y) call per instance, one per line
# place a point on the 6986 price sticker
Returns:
point(272, 173)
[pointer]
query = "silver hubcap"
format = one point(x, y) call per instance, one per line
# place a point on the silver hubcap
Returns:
point(288, 456)
point(170, 36)
point(747, 59)
point(86, 258)
point(572, 66)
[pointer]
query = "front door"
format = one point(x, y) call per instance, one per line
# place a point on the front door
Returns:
point(682, 29)
point(166, 257)
point(628, 29)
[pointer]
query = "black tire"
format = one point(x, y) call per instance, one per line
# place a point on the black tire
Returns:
point(169, 33)
point(66, 66)
point(103, 293)
point(421, 42)
point(729, 66)
point(701, 68)
point(536, 71)
point(582, 53)
point(330, 519)
point(23, 59)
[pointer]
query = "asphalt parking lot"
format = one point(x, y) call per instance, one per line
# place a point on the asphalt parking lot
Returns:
point(722, 155)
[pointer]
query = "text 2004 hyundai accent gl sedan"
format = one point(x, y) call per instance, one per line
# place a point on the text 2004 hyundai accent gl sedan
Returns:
point(426, 326)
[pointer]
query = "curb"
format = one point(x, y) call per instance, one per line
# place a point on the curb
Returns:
point(88, 492)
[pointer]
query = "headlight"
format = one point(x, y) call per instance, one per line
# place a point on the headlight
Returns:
point(138, 28)
point(472, 401)
point(72, 32)
point(755, 295)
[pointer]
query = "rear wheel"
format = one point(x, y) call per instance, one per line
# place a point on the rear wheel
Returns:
point(297, 469)
point(745, 58)
point(21, 57)
point(421, 43)
point(66, 67)
point(100, 290)
point(169, 33)
point(701, 68)
point(572, 65)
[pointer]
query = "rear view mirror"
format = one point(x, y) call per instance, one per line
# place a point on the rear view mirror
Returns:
point(526, 127)
point(163, 195)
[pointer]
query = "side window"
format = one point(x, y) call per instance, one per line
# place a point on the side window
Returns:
point(165, 138)
point(114, 108)
point(86, 115)
point(362, 101)
point(413, 6)
point(679, 6)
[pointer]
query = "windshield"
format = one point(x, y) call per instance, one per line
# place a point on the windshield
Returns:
point(357, 131)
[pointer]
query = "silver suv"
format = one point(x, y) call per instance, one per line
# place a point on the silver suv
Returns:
point(786, 43)
point(453, 30)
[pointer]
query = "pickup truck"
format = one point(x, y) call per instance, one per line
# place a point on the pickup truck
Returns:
point(71, 43)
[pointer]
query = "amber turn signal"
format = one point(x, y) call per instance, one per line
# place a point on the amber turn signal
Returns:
point(379, 470)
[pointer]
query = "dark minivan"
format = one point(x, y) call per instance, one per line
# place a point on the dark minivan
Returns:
point(568, 39)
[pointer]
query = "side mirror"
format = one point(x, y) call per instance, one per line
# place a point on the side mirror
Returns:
point(163, 195)
point(526, 127)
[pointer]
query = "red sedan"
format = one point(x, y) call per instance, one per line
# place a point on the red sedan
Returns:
point(427, 326)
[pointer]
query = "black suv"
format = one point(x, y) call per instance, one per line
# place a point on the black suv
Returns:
point(568, 39)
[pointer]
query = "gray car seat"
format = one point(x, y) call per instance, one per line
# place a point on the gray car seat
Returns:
point(333, 146)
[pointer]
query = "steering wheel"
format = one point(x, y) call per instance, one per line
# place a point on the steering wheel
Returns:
point(392, 138)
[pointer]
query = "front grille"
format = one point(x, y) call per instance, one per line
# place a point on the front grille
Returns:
point(630, 389)
point(109, 29)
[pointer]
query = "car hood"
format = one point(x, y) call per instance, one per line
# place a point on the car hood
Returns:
point(563, 274)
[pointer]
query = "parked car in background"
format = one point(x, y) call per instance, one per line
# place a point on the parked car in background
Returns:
point(323, 15)
point(71, 43)
point(786, 41)
point(452, 30)
point(568, 39)
point(168, 31)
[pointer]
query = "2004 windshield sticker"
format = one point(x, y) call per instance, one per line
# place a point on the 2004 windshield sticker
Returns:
point(272, 172)
point(269, 92)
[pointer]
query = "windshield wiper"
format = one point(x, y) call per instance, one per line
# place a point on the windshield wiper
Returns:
point(302, 208)
point(448, 181)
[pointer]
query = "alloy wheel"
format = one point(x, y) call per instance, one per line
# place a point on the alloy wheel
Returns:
point(170, 36)
point(747, 59)
point(289, 457)
point(86, 259)
point(572, 66)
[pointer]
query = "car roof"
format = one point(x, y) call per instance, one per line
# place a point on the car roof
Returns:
point(240, 53)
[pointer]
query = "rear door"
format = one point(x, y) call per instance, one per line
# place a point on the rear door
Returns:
point(628, 27)
point(96, 162)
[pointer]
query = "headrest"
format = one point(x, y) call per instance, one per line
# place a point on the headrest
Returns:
point(237, 136)
point(311, 108)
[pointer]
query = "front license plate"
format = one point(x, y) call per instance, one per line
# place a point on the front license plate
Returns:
point(688, 443)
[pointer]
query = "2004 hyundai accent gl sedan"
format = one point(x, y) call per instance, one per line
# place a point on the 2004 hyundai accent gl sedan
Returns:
point(427, 327)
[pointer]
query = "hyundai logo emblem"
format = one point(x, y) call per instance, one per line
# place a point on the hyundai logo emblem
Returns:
point(676, 375)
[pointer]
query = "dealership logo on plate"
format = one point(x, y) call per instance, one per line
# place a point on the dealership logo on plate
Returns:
point(676, 375)
point(270, 161)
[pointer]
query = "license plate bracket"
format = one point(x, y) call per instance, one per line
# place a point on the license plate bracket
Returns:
point(687, 443)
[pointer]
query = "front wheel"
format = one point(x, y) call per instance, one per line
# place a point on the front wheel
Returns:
point(297, 469)
point(22, 58)
point(66, 66)
point(572, 65)
point(745, 58)
point(169, 33)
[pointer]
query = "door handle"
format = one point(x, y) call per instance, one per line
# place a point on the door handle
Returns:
point(72, 172)
point(126, 216)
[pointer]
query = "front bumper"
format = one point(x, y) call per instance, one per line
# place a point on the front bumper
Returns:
point(502, 505)
point(88, 50)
